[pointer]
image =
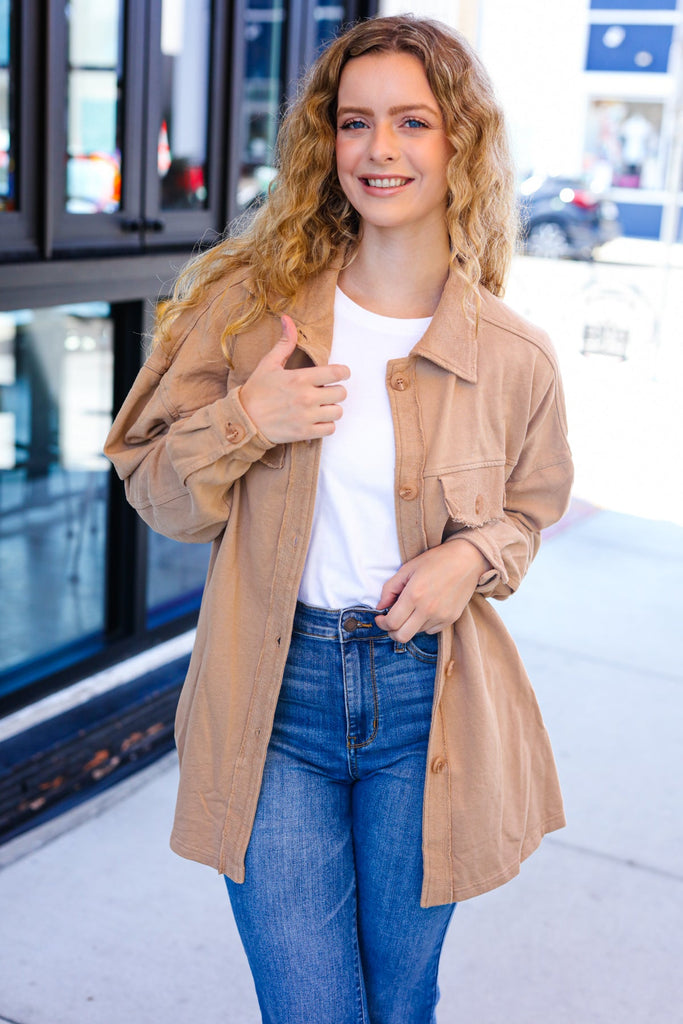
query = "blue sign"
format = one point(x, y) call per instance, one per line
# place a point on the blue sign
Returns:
point(633, 5)
point(629, 48)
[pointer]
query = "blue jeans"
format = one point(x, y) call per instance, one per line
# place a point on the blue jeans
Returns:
point(329, 912)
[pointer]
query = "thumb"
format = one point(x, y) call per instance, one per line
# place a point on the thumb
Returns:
point(285, 345)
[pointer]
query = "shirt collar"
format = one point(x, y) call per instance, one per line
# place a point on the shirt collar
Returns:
point(450, 341)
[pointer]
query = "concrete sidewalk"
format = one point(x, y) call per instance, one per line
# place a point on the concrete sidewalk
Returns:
point(104, 925)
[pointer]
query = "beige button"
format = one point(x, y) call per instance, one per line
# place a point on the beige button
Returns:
point(439, 765)
point(408, 492)
point(400, 382)
point(234, 433)
point(479, 504)
point(450, 668)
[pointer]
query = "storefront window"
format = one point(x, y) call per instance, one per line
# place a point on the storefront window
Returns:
point(94, 119)
point(175, 578)
point(623, 144)
point(263, 90)
point(7, 141)
point(183, 129)
point(55, 411)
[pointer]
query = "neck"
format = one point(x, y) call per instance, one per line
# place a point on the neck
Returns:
point(398, 274)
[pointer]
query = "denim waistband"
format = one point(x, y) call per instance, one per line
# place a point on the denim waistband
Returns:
point(354, 623)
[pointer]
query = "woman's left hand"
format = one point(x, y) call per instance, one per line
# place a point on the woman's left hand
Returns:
point(430, 592)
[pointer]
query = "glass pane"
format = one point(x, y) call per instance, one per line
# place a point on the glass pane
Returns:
point(94, 117)
point(624, 144)
point(263, 91)
point(7, 101)
point(183, 127)
point(175, 578)
point(55, 411)
point(328, 19)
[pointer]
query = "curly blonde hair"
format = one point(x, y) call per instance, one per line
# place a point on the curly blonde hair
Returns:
point(307, 222)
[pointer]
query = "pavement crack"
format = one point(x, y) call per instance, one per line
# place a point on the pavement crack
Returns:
point(613, 858)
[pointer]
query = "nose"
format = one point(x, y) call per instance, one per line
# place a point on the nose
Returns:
point(384, 146)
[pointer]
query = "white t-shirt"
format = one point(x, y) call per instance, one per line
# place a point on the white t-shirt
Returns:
point(354, 545)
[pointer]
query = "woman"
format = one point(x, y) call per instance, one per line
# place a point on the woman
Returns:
point(340, 401)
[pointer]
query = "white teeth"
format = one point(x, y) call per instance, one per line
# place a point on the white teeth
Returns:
point(386, 182)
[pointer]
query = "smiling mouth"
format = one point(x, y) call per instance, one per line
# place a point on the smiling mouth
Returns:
point(386, 182)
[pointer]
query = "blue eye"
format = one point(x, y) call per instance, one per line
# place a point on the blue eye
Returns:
point(415, 122)
point(354, 122)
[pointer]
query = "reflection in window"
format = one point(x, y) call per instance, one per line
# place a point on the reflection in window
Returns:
point(175, 578)
point(93, 176)
point(328, 20)
point(55, 411)
point(623, 144)
point(263, 90)
point(183, 130)
point(7, 156)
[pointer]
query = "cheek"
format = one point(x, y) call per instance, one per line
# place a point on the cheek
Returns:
point(344, 160)
point(342, 155)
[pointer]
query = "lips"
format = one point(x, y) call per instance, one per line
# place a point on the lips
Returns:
point(386, 182)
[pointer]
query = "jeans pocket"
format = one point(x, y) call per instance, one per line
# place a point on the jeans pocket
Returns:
point(424, 646)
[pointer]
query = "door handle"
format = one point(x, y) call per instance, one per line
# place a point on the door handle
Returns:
point(131, 224)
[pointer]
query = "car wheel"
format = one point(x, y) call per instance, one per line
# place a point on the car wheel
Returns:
point(549, 240)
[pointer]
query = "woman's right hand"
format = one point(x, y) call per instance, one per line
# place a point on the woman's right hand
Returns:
point(293, 405)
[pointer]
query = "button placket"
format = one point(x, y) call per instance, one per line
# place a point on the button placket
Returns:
point(402, 391)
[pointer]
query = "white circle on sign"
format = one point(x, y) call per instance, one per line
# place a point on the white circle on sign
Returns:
point(614, 36)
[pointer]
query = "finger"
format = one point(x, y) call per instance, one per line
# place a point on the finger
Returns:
point(323, 376)
point(285, 345)
point(328, 413)
point(392, 589)
point(331, 394)
point(408, 629)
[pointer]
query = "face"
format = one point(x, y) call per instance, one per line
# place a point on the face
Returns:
point(392, 150)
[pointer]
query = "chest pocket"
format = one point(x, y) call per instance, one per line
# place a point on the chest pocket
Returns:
point(475, 495)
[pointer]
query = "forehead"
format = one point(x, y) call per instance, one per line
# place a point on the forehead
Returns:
point(377, 76)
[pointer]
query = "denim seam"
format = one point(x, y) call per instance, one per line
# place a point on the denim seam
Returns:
point(375, 704)
point(315, 636)
point(360, 984)
point(412, 649)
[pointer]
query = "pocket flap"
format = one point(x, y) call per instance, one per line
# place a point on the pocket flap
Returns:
point(475, 495)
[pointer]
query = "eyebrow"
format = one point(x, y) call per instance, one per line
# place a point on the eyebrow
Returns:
point(403, 109)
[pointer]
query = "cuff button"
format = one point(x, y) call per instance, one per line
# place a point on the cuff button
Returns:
point(234, 433)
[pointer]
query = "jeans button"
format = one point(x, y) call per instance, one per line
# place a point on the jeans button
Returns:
point(350, 624)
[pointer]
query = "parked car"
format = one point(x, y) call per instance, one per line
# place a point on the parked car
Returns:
point(561, 217)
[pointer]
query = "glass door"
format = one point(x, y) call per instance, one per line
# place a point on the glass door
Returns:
point(95, 144)
point(8, 146)
point(18, 84)
point(183, 200)
point(262, 39)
